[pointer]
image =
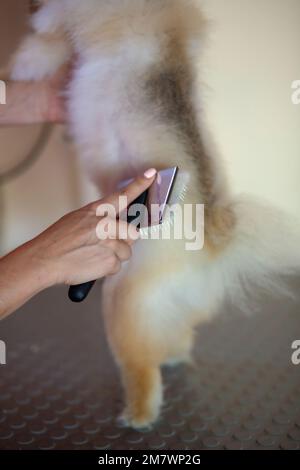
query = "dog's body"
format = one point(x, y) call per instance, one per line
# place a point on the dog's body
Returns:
point(133, 105)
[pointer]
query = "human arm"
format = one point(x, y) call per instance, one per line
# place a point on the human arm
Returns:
point(69, 252)
point(32, 103)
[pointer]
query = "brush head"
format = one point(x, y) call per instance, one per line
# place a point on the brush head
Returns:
point(149, 211)
point(158, 197)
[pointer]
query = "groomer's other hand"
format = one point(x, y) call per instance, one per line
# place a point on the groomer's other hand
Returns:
point(55, 94)
point(71, 251)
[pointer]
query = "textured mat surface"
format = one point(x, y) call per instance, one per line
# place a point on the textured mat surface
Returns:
point(60, 388)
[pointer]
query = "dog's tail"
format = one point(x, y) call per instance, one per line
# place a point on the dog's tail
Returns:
point(261, 250)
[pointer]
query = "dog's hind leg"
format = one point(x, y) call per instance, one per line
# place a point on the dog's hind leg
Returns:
point(143, 393)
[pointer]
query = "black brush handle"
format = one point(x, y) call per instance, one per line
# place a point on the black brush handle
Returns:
point(80, 292)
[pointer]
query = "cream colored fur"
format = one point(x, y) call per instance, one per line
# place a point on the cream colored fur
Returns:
point(152, 306)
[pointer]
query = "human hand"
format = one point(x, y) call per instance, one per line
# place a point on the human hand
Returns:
point(36, 102)
point(70, 252)
point(54, 89)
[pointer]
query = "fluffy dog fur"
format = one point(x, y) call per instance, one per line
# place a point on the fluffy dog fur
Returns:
point(133, 104)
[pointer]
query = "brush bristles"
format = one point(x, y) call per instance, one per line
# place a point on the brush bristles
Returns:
point(156, 231)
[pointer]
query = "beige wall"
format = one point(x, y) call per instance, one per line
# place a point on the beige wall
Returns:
point(251, 59)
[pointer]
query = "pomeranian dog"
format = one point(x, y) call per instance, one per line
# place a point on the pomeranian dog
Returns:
point(133, 104)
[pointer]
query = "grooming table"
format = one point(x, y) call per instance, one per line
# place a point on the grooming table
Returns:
point(60, 388)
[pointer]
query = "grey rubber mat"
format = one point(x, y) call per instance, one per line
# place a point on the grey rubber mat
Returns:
point(60, 388)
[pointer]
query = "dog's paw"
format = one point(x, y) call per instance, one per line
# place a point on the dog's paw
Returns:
point(138, 421)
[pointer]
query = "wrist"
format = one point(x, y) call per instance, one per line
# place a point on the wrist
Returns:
point(38, 265)
point(23, 275)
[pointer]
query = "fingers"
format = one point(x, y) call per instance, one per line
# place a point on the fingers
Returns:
point(120, 252)
point(113, 265)
point(111, 229)
point(131, 192)
point(121, 249)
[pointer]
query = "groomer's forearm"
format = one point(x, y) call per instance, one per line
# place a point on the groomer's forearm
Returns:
point(26, 103)
point(22, 276)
